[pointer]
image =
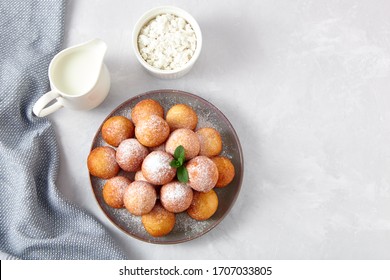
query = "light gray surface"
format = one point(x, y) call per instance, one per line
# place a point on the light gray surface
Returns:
point(306, 86)
point(35, 220)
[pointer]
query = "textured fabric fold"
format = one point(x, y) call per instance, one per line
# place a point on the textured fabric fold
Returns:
point(35, 221)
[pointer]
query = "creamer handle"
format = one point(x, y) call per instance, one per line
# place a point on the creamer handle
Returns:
point(39, 107)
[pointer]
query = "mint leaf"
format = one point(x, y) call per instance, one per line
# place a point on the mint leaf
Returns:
point(182, 174)
point(180, 161)
point(179, 153)
point(175, 163)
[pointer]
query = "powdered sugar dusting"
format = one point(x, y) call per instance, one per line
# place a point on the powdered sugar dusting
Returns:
point(139, 176)
point(153, 123)
point(139, 197)
point(120, 182)
point(114, 190)
point(158, 148)
point(130, 154)
point(189, 226)
point(156, 168)
point(176, 196)
point(186, 138)
point(202, 173)
point(152, 131)
point(127, 219)
point(118, 123)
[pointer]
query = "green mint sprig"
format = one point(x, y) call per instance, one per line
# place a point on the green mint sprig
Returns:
point(177, 162)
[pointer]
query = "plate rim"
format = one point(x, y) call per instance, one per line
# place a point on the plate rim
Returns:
point(240, 153)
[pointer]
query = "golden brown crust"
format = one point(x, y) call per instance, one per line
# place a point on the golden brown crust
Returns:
point(203, 205)
point(202, 173)
point(152, 131)
point(139, 176)
point(181, 116)
point(210, 142)
point(226, 171)
point(176, 197)
point(116, 129)
point(159, 221)
point(156, 168)
point(186, 138)
point(139, 198)
point(130, 154)
point(101, 162)
point(146, 108)
point(113, 191)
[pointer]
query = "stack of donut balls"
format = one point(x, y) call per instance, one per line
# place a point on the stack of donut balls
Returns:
point(144, 145)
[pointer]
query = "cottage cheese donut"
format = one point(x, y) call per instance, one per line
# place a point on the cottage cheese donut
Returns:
point(202, 173)
point(156, 168)
point(101, 162)
point(116, 129)
point(176, 196)
point(226, 171)
point(158, 148)
point(210, 142)
point(139, 176)
point(146, 108)
point(113, 191)
point(203, 205)
point(181, 116)
point(185, 137)
point(130, 154)
point(159, 221)
point(152, 131)
point(139, 198)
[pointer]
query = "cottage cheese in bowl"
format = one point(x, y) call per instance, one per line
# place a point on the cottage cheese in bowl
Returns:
point(167, 42)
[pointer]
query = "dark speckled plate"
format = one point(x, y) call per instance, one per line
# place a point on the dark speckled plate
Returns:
point(185, 228)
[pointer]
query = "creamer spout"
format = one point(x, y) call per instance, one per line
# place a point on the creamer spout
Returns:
point(98, 46)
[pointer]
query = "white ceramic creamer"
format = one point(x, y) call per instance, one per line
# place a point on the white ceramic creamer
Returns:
point(79, 79)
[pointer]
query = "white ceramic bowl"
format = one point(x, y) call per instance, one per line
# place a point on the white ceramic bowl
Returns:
point(151, 14)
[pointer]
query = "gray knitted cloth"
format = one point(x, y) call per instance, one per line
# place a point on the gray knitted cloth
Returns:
point(35, 221)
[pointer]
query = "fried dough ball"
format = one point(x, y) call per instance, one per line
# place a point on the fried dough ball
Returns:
point(146, 108)
point(158, 148)
point(159, 221)
point(210, 142)
point(152, 131)
point(139, 176)
point(139, 198)
point(181, 116)
point(116, 129)
point(176, 197)
point(226, 171)
point(203, 205)
point(130, 154)
point(156, 168)
point(113, 191)
point(202, 173)
point(101, 162)
point(185, 137)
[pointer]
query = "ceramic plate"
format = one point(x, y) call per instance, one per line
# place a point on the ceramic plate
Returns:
point(185, 228)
